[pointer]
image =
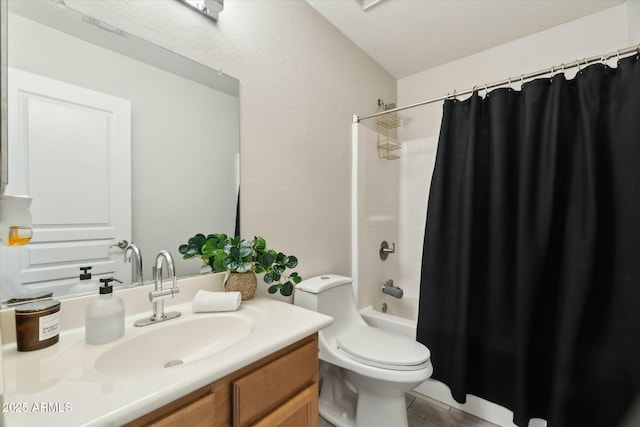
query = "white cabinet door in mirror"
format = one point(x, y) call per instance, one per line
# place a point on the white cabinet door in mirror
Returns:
point(70, 150)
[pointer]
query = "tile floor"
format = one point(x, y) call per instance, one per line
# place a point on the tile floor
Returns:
point(425, 412)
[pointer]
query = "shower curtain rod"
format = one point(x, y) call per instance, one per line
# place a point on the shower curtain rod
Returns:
point(521, 78)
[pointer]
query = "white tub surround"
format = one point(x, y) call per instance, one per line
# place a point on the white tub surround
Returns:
point(64, 385)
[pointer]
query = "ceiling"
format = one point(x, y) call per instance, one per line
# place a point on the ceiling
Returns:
point(409, 36)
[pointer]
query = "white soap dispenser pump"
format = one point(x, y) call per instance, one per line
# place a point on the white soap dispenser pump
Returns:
point(105, 316)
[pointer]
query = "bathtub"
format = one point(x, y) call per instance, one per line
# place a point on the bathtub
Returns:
point(401, 318)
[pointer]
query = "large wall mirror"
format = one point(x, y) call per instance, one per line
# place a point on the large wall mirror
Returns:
point(115, 139)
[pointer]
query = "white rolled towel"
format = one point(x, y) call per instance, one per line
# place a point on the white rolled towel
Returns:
point(216, 301)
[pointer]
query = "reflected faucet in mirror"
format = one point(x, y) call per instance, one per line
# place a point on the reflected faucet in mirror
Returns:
point(132, 254)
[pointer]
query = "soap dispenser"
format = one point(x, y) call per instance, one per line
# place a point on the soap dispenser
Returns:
point(85, 284)
point(105, 315)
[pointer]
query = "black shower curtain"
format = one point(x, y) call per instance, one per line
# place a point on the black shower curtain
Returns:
point(530, 287)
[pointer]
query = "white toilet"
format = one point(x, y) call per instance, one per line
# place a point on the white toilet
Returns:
point(365, 371)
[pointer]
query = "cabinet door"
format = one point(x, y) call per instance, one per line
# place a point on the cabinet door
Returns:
point(299, 411)
point(257, 393)
point(197, 414)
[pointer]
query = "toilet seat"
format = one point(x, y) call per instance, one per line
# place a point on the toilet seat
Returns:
point(381, 349)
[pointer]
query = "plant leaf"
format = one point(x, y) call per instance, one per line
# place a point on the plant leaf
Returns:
point(217, 264)
point(273, 289)
point(245, 251)
point(229, 263)
point(234, 253)
point(210, 246)
point(259, 244)
point(265, 260)
point(196, 241)
point(243, 267)
point(287, 289)
point(291, 262)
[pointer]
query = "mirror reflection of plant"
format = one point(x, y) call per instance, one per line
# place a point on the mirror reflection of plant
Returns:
point(193, 248)
point(241, 255)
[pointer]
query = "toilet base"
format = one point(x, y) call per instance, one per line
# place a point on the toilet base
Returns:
point(337, 402)
point(380, 403)
point(381, 411)
point(375, 404)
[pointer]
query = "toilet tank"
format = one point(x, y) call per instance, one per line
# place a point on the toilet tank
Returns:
point(332, 295)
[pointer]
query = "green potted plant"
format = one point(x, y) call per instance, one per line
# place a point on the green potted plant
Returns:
point(243, 259)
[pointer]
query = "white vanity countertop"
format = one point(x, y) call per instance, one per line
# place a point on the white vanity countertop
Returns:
point(59, 385)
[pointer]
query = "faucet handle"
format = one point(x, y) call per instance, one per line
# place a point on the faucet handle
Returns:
point(385, 251)
point(163, 293)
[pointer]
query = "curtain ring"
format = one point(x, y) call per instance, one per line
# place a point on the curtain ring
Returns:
point(486, 90)
point(552, 69)
point(562, 68)
point(509, 83)
point(521, 81)
point(617, 57)
point(578, 65)
point(454, 95)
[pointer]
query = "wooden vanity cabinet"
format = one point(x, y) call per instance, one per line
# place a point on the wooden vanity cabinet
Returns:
point(278, 390)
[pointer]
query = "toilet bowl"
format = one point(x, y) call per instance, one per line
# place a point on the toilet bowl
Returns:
point(365, 371)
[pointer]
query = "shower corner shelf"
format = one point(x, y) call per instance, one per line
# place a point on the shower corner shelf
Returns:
point(387, 144)
point(389, 121)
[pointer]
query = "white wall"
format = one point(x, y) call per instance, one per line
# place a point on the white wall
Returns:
point(301, 81)
point(633, 22)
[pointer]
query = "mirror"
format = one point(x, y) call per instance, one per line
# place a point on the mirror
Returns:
point(3, 94)
point(179, 177)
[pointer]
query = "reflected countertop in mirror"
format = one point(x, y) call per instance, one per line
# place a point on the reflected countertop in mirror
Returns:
point(179, 177)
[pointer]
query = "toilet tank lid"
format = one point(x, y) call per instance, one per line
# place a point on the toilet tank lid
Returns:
point(321, 283)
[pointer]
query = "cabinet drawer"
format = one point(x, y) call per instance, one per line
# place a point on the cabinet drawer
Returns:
point(258, 392)
point(200, 413)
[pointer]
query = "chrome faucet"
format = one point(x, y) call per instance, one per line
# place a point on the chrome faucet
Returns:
point(389, 289)
point(158, 295)
point(132, 251)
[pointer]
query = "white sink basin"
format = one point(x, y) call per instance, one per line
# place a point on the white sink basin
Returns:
point(177, 342)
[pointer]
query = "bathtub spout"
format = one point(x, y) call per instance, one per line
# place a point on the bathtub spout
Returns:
point(389, 289)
